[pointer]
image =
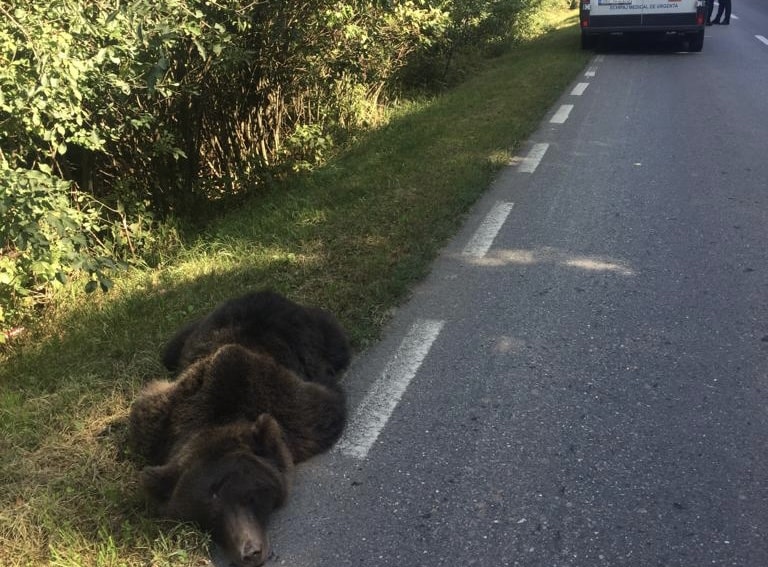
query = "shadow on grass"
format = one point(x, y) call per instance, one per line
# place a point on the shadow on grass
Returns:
point(391, 201)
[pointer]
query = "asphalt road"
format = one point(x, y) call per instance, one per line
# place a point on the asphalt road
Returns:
point(583, 379)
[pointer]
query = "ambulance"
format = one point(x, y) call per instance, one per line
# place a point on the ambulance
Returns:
point(684, 18)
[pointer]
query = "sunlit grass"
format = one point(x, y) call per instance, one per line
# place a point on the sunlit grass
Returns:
point(352, 237)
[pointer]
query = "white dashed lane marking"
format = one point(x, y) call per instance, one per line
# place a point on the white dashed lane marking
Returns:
point(374, 411)
point(579, 89)
point(562, 114)
point(761, 39)
point(377, 406)
point(481, 241)
point(534, 157)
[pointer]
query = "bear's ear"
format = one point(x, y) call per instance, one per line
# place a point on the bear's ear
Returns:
point(159, 482)
point(267, 441)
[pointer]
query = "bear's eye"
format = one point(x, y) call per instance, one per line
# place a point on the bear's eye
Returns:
point(215, 489)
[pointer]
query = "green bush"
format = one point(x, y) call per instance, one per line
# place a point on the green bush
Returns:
point(49, 229)
point(110, 111)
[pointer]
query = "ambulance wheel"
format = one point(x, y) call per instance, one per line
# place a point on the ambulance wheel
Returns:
point(587, 41)
point(696, 41)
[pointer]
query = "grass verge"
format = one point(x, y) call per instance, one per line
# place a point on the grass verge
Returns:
point(352, 237)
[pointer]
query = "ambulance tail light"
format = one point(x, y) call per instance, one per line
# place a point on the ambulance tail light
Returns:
point(700, 9)
point(585, 9)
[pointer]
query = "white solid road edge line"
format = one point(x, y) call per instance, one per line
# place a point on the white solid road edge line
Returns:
point(762, 39)
point(377, 406)
point(481, 241)
point(534, 157)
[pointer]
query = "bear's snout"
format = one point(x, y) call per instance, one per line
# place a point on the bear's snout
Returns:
point(244, 538)
point(253, 553)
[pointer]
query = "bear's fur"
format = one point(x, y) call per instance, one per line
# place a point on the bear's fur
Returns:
point(257, 392)
point(307, 340)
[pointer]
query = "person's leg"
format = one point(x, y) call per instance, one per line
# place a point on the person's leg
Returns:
point(727, 18)
point(720, 9)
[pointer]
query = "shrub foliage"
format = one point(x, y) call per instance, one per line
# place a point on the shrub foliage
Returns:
point(111, 112)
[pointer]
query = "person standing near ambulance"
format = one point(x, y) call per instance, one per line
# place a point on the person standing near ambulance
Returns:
point(710, 9)
point(723, 6)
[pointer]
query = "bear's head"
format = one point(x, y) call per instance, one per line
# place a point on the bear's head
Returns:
point(227, 480)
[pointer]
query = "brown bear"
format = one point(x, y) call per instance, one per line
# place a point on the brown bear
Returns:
point(258, 391)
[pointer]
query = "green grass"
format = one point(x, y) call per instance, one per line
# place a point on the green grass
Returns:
point(352, 237)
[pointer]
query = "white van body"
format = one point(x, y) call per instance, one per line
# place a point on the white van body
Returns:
point(684, 17)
